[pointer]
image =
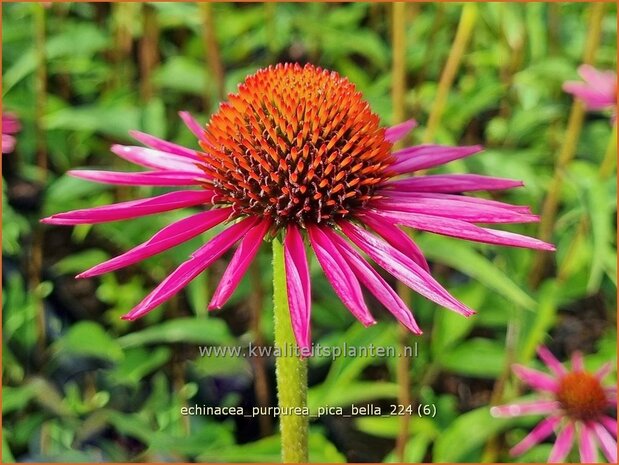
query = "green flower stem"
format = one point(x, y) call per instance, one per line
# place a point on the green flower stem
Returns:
point(290, 370)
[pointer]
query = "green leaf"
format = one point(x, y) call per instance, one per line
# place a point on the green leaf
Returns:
point(185, 330)
point(87, 338)
point(475, 357)
point(268, 450)
point(466, 434)
point(464, 258)
point(138, 363)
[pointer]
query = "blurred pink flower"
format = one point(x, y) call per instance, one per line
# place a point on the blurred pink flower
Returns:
point(10, 125)
point(599, 89)
point(298, 152)
point(575, 404)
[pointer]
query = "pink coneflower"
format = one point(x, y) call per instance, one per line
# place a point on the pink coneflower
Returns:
point(10, 125)
point(298, 152)
point(576, 406)
point(599, 89)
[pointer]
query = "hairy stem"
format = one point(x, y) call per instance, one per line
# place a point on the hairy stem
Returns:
point(290, 370)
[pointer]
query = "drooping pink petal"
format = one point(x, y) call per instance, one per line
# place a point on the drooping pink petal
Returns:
point(156, 159)
point(397, 238)
point(403, 268)
point(448, 183)
point(375, 283)
point(422, 157)
point(551, 361)
point(536, 379)
point(586, 445)
point(453, 209)
point(463, 230)
point(298, 285)
point(168, 237)
point(463, 200)
point(535, 407)
point(607, 443)
point(244, 255)
point(397, 132)
point(340, 275)
point(611, 394)
point(163, 145)
point(610, 424)
point(142, 178)
point(132, 208)
point(563, 444)
point(541, 431)
point(578, 364)
point(188, 270)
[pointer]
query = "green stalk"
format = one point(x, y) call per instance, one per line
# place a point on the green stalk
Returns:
point(290, 370)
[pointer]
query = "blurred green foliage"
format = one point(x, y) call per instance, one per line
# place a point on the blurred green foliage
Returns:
point(96, 388)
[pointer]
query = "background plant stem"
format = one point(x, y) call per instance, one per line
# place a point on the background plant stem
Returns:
point(463, 34)
point(290, 370)
point(567, 152)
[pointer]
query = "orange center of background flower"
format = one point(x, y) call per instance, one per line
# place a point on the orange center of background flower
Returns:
point(298, 144)
point(582, 396)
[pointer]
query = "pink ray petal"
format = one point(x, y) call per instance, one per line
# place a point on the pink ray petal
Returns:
point(603, 371)
point(453, 210)
point(168, 237)
point(397, 132)
point(132, 209)
point(607, 443)
point(340, 275)
point(422, 157)
point(403, 268)
point(606, 81)
point(448, 183)
point(8, 143)
point(195, 127)
point(188, 270)
point(10, 123)
point(298, 285)
point(563, 444)
point(463, 230)
point(586, 445)
point(610, 424)
point(155, 159)
point(142, 178)
point(578, 364)
point(376, 284)
point(592, 98)
point(541, 431)
point(244, 255)
point(397, 238)
point(535, 407)
point(164, 146)
point(536, 379)
point(551, 361)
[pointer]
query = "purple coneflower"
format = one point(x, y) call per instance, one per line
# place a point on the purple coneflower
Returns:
point(599, 89)
point(297, 151)
point(10, 125)
point(576, 405)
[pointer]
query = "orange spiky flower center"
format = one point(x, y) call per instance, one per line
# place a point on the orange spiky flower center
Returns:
point(582, 396)
point(297, 144)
